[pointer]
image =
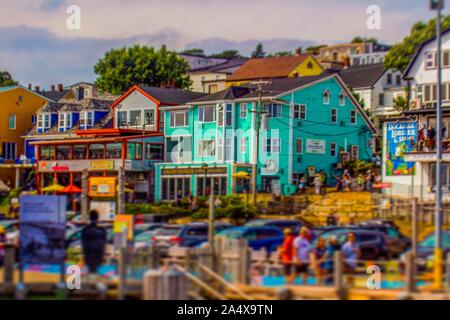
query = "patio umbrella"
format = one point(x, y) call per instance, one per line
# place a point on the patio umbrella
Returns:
point(71, 188)
point(55, 187)
point(242, 175)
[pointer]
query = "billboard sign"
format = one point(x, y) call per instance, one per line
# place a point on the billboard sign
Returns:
point(42, 229)
point(401, 137)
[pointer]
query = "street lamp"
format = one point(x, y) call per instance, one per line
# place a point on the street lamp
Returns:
point(438, 5)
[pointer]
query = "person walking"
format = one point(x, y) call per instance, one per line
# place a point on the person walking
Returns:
point(332, 247)
point(323, 179)
point(302, 249)
point(93, 242)
point(360, 182)
point(318, 260)
point(302, 186)
point(351, 253)
point(287, 254)
point(318, 184)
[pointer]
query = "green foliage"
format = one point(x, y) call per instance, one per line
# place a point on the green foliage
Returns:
point(400, 103)
point(361, 102)
point(281, 54)
point(228, 54)
point(315, 49)
point(6, 79)
point(359, 39)
point(195, 52)
point(122, 68)
point(399, 56)
point(259, 51)
point(358, 166)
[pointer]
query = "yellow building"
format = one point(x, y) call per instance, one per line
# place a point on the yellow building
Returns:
point(298, 65)
point(17, 106)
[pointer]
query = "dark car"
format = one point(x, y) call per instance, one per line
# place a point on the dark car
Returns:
point(281, 224)
point(269, 238)
point(372, 243)
point(425, 250)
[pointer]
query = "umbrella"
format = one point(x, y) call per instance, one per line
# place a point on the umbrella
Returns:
point(71, 188)
point(53, 188)
point(241, 174)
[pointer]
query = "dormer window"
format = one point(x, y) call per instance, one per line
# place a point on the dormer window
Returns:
point(87, 118)
point(326, 97)
point(43, 121)
point(64, 121)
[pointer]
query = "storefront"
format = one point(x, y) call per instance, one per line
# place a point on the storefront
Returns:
point(180, 180)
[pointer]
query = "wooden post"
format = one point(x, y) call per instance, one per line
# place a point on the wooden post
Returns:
point(121, 191)
point(410, 281)
point(447, 271)
point(84, 195)
point(339, 274)
point(244, 264)
point(152, 285)
point(8, 269)
point(122, 273)
point(415, 225)
point(168, 285)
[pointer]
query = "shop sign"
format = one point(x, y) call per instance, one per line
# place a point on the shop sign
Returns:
point(401, 137)
point(190, 171)
point(102, 165)
point(315, 146)
point(102, 186)
point(105, 209)
point(124, 222)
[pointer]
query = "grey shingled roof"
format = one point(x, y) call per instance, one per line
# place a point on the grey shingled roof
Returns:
point(171, 96)
point(364, 76)
point(55, 95)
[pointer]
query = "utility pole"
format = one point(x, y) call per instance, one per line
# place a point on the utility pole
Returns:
point(258, 112)
point(438, 5)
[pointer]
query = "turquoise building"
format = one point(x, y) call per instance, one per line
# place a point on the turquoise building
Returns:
point(307, 125)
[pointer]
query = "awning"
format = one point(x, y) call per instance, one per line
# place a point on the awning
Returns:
point(242, 175)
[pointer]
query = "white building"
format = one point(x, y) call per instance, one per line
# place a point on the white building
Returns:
point(377, 87)
point(367, 58)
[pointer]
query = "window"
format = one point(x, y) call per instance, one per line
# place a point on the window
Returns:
point(389, 78)
point(179, 118)
point(9, 150)
point(154, 151)
point(46, 121)
point(446, 58)
point(65, 120)
point(86, 119)
point(12, 121)
point(333, 149)
point(113, 150)
point(79, 151)
point(271, 145)
point(212, 88)
point(33, 119)
point(243, 110)
point(61, 120)
point(149, 117)
point(299, 146)
point(354, 153)
point(96, 151)
point(296, 178)
point(229, 114)
point(398, 80)
point(429, 59)
point(40, 122)
point(273, 110)
point(206, 148)
point(309, 65)
point(135, 117)
point(300, 111)
point(62, 152)
point(342, 99)
point(121, 118)
point(381, 99)
point(134, 151)
point(326, 97)
point(353, 116)
point(334, 116)
point(243, 144)
point(46, 152)
point(207, 114)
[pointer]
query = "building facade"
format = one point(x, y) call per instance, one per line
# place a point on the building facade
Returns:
point(308, 124)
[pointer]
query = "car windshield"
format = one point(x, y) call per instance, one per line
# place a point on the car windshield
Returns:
point(429, 241)
point(144, 236)
point(231, 233)
point(255, 223)
point(169, 231)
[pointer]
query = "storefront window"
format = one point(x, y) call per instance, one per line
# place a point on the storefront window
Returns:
point(47, 153)
point(79, 152)
point(171, 187)
point(62, 152)
point(134, 150)
point(113, 150)
point(96, 151)
point(218, 184)
point(154, 151)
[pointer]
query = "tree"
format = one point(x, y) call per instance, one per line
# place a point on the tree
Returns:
point(359, 39)
point(361, 102)
point(281, 54)
point(259, 51)
point(194, 52)
point(400, 103)
point(315, 49)
point(400, 54)
point(6, 79)
point(228, 54)
point(122, 68)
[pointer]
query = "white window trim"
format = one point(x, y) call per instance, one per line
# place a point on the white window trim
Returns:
point(243, 109)
point(15, 121)
point(84, 116)
point(272, 140)
point(201, 151)
point(203, 114)
point(243, 145)
point(186, 116)
point(342, 95)
point(328, 99)
point(296, 145)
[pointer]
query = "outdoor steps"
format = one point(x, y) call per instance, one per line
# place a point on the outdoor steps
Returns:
point(356, 205)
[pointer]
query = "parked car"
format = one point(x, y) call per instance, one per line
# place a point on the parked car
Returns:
point(144, 227)
point(11, 228)
point(281, 224)
point(258, 237)
point(372, 243)
point(425, 250)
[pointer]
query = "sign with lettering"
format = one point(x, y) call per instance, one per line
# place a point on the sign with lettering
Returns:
point(102, 186)
point(401, 137)
point(189, 171)
point(315, 146)
point(102, 165)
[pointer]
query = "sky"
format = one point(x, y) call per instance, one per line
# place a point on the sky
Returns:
point(37, 47)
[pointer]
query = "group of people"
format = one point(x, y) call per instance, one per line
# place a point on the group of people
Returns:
point(299, 255)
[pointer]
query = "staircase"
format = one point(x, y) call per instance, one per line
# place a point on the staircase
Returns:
point(348, 206)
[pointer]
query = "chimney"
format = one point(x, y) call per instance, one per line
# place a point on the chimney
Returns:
point(52, 87)
point(60, 87)
point(298, 51)
point(30, 86)
point(36, 88)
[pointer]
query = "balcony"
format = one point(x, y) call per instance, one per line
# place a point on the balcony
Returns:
point(425, 151)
